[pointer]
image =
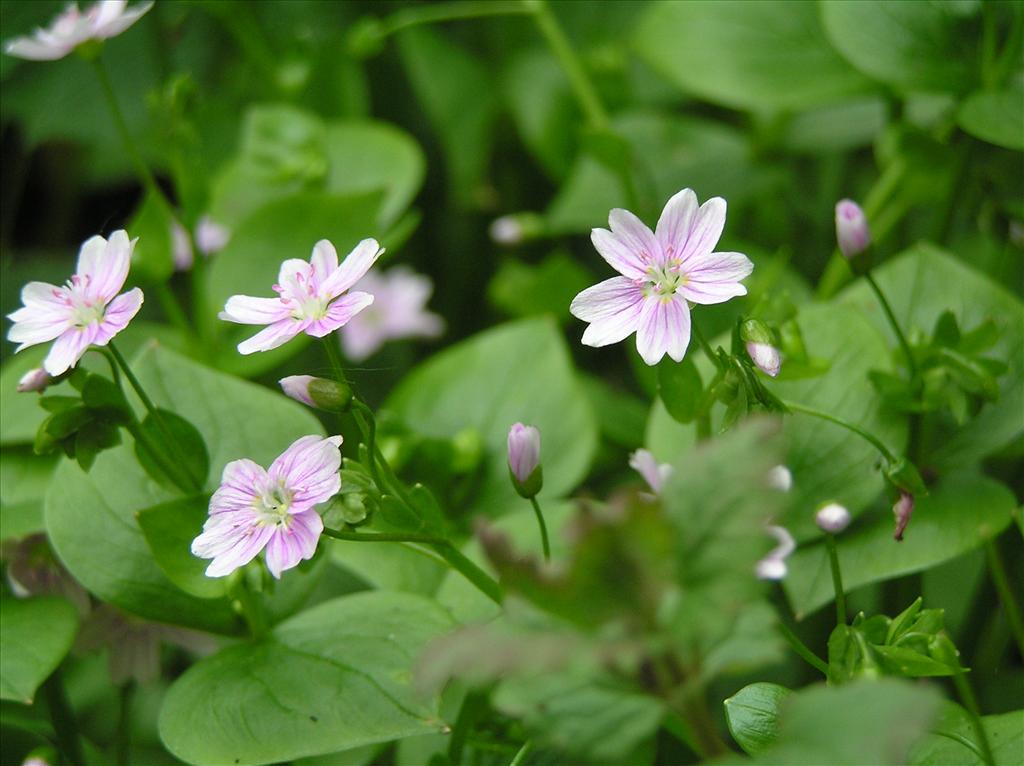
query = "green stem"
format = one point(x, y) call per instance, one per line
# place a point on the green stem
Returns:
point(63, 718)
point(431, 14)
point(582, 87)
point(252, 608)
point(192, 483)
point(478, 577)
point(963, 688)
point(123, 741)
point(469, 713)
point(997, 570)
point(524, 751)
point(837, 578)
point(887, 308)
point(543, 528)
point(870, 438)
point(802, 649)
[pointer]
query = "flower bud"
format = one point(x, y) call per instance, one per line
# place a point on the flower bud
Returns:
point(773, 566)
point(211, 237)
point(320, 393)
point(832, 518)
point(34, 380)
point(852, 231)
point(524, 459)
point(780, 478)
point(516, 228)
point(765, 357)
point(902, 510)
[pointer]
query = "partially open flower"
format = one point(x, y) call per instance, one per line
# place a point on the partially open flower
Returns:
point(308, 297)
point(72, 27)
point(655, 474)
point(663, 272)
point(852, 232)
point(87, 311)
point(773, 566)
point(34, 380)
point(832, 518)
point(274, 509)
point(524, 459)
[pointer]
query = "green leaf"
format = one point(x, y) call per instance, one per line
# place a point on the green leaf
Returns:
point(333, 678)
point(836, 127)
point(922, 46)
point(35, 633)
point(748, 55)
point(954, 743)
point(522, 290)
point(752, 714)
point(995, 116)
point(169, 529)
point(680, 388)
point(480, 384)
point(180, 445)
point(153, 257)
point(20, 413)
point(91, 517)
point(921, 284)
point(962, 511)
point(370, 156)
point(24, 478)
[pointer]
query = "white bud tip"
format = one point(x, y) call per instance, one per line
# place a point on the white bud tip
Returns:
point(506, 230)
point(780, 478)
point(833, 518)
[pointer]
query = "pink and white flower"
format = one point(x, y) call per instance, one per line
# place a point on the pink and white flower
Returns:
point(655, 474)
point(71, 28)
point(308, 297)
point(398, 311)
point(87, 311)
point(662, 274)
point(273, 509)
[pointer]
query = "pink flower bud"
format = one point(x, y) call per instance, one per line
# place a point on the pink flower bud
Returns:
point(780, 478)
point(34, 380)
point(211, 237)
point(524, 459)
point(181, 247)
point(655, 474)
point(320, 393)
point(765, 356)
point(832, 518)
point(902, 510)
point(852, 230)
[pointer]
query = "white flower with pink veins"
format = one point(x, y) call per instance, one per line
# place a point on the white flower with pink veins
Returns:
point(71, 28)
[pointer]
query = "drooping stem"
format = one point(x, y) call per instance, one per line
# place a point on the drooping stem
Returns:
point(837, 578)
point(579, 81)
point(868, 437)
point(63, 719)
point(192, 483)
point(891, 317)
point(963, 688)
point(802, 649)
point(543, 528)
point(997, 570)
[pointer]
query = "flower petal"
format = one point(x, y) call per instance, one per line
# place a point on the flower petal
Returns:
point(104, 264)
point(43, 295)
point(355, 265)
point(291, 545)
point(715, 277)
point(339, 313)
point(36, 50)
point(245, 309)
point(240, 483)
point(635, 236)
point(124, 20)
point(271, 337)
point(706, 230)
point(613, 309)
point(32, 326)
point(68, 349)
point(118, 314)
point(246, 546)
point(324, 260)
point(309, 469)
point(664, 328)
point(676, 222)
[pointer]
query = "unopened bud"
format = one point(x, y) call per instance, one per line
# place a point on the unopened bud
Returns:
point(780, 478)
point(902, 510)
point(524, 460)
point(852, 230)
point(320, 393)
point(832, 518)
point(765, 357)
point(211, 237)
point(516, 228)
point(34, 380)
point(181, 247)
point(773, 566)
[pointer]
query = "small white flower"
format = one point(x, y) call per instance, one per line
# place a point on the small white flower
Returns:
point(71, 28)
point(773, 566)
point(655, 474)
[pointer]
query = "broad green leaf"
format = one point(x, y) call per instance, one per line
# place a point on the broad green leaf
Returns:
point(768, 55)
point(680, 388)
point(621, 416)
point(332, 678)
point(24, 478)
point(920, 46)
point(370, 156)
point(960, 513)
point(91, 517)
point(864, 722)
point(389, 566)
point(995, 116)
point(921, 284)
point(20, 413)
point(153, 256)
point(457, 94)
point(169, 529)
point(835, 128)
point(519, 371)
point(179, 448)
point(522, 290)
point(955, 743)
point(753, 715)
point(35, 634)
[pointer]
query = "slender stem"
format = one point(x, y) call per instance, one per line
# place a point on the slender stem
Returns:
point(431, 14)
point(837, 578)
point(543, 528)
point(369, 426)
point(963, 688)
point(870, 438)
point(469, 713)
point(63, 719)
point(802, 649)
point(123, 742)
point(252, 609)
point(887, 308)
point(582, 87)
point(997, 570)
point(524, 751)
point(193, 482)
